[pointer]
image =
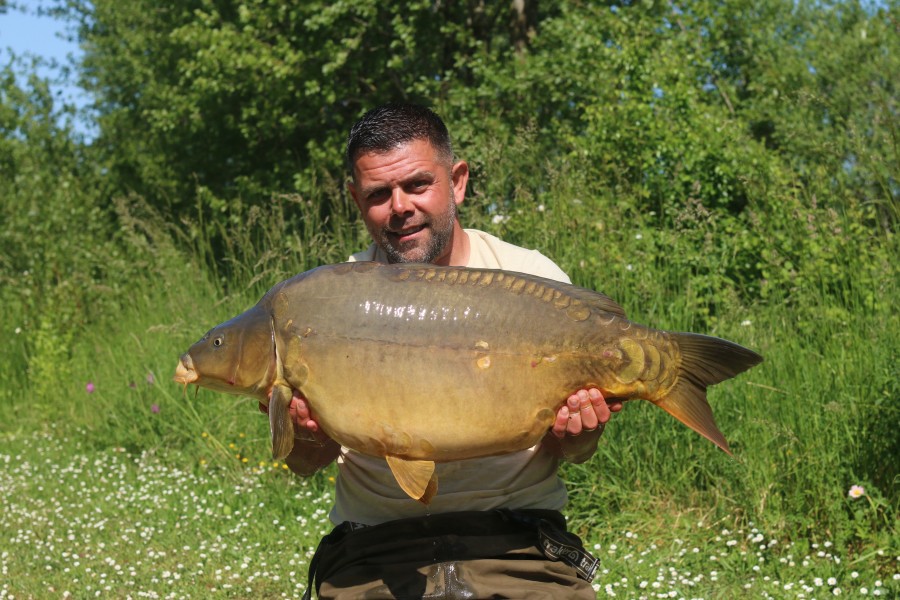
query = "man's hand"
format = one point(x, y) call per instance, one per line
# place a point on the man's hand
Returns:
point(584, 411)
point(299, 411)
point(306, 428)
point(313, 449)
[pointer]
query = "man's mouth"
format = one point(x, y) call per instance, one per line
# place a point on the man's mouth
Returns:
point(407, 233)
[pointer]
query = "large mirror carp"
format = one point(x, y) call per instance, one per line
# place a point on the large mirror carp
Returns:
point(415, 363)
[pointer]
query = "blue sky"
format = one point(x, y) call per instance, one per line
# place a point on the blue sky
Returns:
point(23, 33)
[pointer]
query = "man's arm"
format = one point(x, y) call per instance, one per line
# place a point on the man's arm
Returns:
point(307, 458)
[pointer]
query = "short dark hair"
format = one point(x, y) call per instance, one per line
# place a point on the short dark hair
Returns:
point(391, 125)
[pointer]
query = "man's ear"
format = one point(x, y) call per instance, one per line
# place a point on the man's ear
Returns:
point(459, 176)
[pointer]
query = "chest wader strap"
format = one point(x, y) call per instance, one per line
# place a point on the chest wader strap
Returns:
point(556, 543)
point(550, 526)
point(575, 556)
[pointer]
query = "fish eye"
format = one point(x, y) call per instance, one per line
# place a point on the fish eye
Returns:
point(218, 341)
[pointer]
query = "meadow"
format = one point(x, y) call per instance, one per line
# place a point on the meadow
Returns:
point(106, 522)
point(727, 168)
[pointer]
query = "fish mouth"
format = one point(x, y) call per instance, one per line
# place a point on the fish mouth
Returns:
point(184, 372)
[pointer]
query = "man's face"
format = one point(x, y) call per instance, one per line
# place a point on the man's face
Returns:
point(408, 198)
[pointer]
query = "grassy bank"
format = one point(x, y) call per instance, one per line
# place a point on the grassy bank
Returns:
point(83, 520)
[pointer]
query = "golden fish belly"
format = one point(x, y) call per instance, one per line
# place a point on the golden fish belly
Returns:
point(444, 403)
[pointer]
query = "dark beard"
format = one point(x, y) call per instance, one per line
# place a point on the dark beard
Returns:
point(441, 235)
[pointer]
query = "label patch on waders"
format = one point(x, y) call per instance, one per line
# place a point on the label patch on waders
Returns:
point(575, 557)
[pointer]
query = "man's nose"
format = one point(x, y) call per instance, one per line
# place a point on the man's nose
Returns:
point(400, 202)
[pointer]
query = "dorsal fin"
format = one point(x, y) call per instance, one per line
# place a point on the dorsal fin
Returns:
point(597, 300)
point(415, 477)
point(472, 276)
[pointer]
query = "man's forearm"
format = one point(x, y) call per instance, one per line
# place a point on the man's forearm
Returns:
point(308, 457)
point(574, 448)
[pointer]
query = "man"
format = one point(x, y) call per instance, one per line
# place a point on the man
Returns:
point(483, 534)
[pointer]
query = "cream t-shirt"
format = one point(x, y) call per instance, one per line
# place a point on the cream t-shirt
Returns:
point(366, 491)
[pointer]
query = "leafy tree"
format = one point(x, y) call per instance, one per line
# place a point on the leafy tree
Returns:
point(245, 97)
point(718, 120)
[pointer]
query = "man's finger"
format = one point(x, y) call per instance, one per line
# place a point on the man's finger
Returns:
point(588, 413)
point(599, 406)
point(575, 403)
point(302, 407)
point(561, 422)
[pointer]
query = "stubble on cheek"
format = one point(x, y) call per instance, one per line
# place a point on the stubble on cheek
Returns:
point(440, 233)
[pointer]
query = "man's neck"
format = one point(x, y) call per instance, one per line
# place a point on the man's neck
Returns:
point(459, 249)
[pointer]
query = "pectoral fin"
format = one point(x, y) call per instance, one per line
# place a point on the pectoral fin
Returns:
point(280, 424)
point(416, 477)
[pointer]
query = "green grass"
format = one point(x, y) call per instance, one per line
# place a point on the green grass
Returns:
point(84, 520)
point(81, 521)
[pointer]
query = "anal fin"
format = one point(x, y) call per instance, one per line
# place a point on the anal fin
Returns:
point(415, 477)
point(280, 424)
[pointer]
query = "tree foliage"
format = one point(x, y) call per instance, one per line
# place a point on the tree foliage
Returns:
point(659, 101)
point(245, 98)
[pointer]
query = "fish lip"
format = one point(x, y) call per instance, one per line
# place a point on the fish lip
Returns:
point(184, 372)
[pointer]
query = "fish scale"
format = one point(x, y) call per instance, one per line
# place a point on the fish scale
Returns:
point(421, 364)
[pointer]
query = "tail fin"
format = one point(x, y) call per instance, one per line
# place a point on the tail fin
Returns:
point(705, 361)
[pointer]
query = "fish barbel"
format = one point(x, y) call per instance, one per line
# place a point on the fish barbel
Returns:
point(400, 361)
